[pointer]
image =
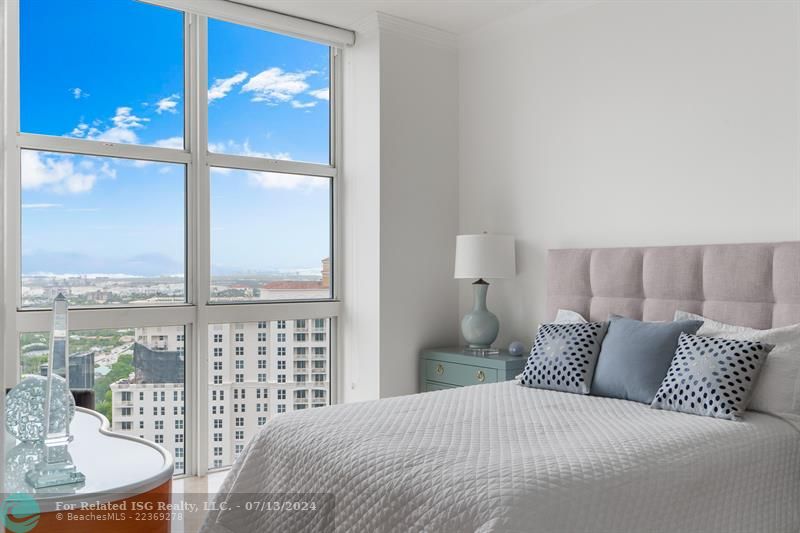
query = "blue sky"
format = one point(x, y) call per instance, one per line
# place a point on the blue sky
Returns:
point(120, 79)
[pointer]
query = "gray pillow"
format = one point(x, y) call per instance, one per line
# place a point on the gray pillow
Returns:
point(712, 377)
point(564, 356)
point(635, 357)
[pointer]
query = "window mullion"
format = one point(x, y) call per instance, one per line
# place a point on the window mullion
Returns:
point(201, 226)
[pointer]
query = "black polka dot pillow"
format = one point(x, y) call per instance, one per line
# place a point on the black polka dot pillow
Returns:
point(564, 356)
point(711, 377)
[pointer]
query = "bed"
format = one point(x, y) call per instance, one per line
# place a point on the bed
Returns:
point(503, 457)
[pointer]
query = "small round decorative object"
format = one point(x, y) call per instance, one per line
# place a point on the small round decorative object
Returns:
point(516, 348)
point(25, 407)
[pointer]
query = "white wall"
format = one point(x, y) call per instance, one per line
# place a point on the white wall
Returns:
point(400, 191)
point(628, 123)
point(419, 197)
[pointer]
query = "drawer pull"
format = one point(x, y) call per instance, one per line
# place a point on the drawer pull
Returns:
point(481, 376)
point(439, 369)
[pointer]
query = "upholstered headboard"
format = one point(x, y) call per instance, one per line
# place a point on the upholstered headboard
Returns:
point(755, 285)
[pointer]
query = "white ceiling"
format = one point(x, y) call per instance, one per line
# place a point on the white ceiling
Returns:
point(456, 16)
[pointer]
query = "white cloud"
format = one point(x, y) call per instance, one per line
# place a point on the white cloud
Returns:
point(322, 94)
point(274, 86)
point(302, 105)
point(59, 174)
point(274, 180)
point(222, 86)
point(266, 180)
point(168, 104)
point(80, 130)
point(125, 122)
point(40, 206)
point(171, 142)
point(78, 93)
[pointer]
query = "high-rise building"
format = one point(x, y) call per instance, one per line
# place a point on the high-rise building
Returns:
point(256, 371)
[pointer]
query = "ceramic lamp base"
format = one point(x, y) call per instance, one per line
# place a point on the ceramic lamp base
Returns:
point(480, 326)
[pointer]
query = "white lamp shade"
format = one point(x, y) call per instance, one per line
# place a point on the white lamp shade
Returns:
point(485, 256)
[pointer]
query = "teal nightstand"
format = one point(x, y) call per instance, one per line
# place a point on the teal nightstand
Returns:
point(445, 368)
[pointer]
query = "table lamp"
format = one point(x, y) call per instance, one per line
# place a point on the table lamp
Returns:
point(483, 256)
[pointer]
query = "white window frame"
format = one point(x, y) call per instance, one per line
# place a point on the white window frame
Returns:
point(197, 313)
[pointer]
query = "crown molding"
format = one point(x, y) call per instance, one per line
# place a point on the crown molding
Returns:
point(385, 23)
point(416, 31)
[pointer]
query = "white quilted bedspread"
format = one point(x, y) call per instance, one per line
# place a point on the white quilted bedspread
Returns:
point(504, 457)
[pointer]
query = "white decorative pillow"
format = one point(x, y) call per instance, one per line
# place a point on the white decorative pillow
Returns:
point(566, 316)
point(711, 377)
point(778, 388)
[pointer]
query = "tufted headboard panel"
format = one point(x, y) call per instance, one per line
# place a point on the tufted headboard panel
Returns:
point(755, 285)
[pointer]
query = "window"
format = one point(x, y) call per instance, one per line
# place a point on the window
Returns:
point(262, 363)
point(281, 378)
point(238, 448)
point(217, 437)
point(281, 365)
point(262, 420)
point(108, 158)
point(281, 408)
point(239, 422)
point(159, 439)
point(300, 337)
point(239, 434)
point(217, 423)
point(281, 394)
point(103, 361)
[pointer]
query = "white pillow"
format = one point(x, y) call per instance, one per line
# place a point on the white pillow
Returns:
point(565, 316)
point(778, 388)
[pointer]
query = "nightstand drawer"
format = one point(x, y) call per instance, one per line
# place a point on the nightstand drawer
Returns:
point(457, 374)
point(432, 386)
